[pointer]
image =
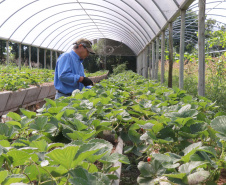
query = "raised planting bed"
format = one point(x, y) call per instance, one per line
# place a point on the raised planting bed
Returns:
point(12, 100)
point(4, 96)
point(31, 96)
point(45, 89)
point(15, 100)
point(97, 79)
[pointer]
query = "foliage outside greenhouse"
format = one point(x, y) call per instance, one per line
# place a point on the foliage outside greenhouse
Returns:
point(215, 60)
point(183, 136)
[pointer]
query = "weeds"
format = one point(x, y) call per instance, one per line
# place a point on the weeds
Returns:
point(215, 87)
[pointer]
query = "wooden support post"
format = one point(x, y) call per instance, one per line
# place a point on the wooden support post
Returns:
point(19, 64)
point(38, 57)
point(157, 59)
point(182, 31)
point(201, 49)
point(51, 59)
point(29, 56)
point(45, 59)
point(153, 61)
point(163, 57)
point(170, 77)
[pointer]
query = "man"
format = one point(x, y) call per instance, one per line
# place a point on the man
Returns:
point(69, 71)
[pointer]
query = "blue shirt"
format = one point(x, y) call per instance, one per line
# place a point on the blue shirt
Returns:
point(68, 70)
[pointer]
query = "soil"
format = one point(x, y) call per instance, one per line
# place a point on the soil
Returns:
point(129, 175)
point(130, 172)
point(222, 179)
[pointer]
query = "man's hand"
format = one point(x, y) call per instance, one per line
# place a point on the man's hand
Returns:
point(86, 81)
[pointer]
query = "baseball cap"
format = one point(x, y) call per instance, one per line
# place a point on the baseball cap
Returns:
point(86, 43)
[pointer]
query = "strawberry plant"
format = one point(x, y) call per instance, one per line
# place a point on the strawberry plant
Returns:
point(12, 79)
point(184, 137)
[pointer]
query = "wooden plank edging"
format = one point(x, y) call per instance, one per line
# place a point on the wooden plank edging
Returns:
point(119, 150)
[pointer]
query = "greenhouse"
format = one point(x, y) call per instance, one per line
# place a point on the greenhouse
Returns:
point(148, 107)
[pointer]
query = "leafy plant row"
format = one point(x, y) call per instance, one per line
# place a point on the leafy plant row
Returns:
point(58, 146)
point(183, 135)
point(12, 79)
point(98, 73)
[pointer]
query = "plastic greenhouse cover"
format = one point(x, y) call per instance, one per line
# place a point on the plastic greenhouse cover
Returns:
point(215, 9)
point(56, 24)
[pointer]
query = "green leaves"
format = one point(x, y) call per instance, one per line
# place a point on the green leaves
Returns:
point(190, 150)
point(134, 136)
point(187, 168)
point(153, 169)
point(64, 156)
point(14, 116)
point(219, 125)
point(82, 177)
point(41, 124)
point(81, 135)
point(21, 157)
point(184, 112)
point(13, 179)
point(42, 145)
point(3, 175)
point(198, 177)
point(27, 113)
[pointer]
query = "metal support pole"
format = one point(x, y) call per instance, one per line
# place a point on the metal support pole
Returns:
point(182, 32)
point(157, 59)
point(51, 59)
point(19, 64)
point(138, 64)
point(170, 77)
point(7, 50)
point(105, 57)
point(150, 60)
point(137, 58)
point(163, 57)
point(29, 57)
point(56, 57)
point(141, 64)
point(153, 61)
point(38, 58)
point(201, 49)
point(45, 59)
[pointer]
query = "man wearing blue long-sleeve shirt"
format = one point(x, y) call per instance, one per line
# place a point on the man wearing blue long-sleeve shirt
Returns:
point(69, 71)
